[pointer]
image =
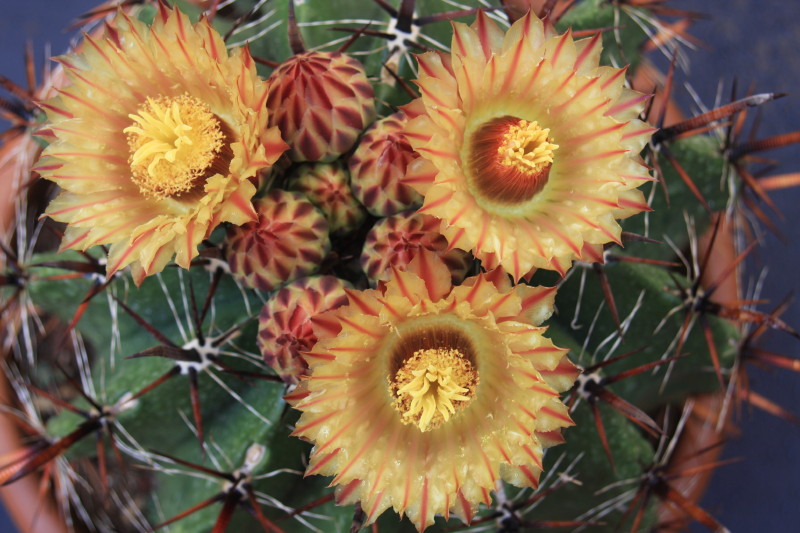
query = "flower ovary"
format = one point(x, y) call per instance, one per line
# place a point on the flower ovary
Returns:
point(510, 160)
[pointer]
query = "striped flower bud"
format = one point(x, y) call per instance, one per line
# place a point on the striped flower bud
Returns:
point(284, 325)
point(321, 101)
point(378, 166)
point(328, 187)
point(396, 240)
point(288, 240)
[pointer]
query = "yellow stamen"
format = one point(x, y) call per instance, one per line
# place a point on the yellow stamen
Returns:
point(174, 142)
point(526, 147)
point(429, 383)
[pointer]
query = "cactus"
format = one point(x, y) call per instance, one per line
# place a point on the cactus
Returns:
point(230, 340)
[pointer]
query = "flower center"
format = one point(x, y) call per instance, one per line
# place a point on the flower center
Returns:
point(510, 159)
point(432, 385)
point(174, 144)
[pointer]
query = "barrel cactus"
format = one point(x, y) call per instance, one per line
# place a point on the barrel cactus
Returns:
point(382, 265)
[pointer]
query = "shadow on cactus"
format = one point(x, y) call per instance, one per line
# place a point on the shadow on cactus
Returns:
point(369, 264)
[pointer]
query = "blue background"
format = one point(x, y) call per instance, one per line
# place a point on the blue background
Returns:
point(754, 41)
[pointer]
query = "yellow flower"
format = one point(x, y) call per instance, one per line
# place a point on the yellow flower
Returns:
point(530, 150)
point(421, 395)
point(157, 141)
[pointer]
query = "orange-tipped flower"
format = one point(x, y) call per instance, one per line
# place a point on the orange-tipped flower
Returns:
point(156, 141)
point(421, 395)
point(529, 149)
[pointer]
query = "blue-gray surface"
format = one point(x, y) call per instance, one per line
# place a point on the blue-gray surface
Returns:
point(755, 41)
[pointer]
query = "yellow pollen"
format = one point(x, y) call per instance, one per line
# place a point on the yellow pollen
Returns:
point(174, 141)
point(432, 385)
point(525, 146)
